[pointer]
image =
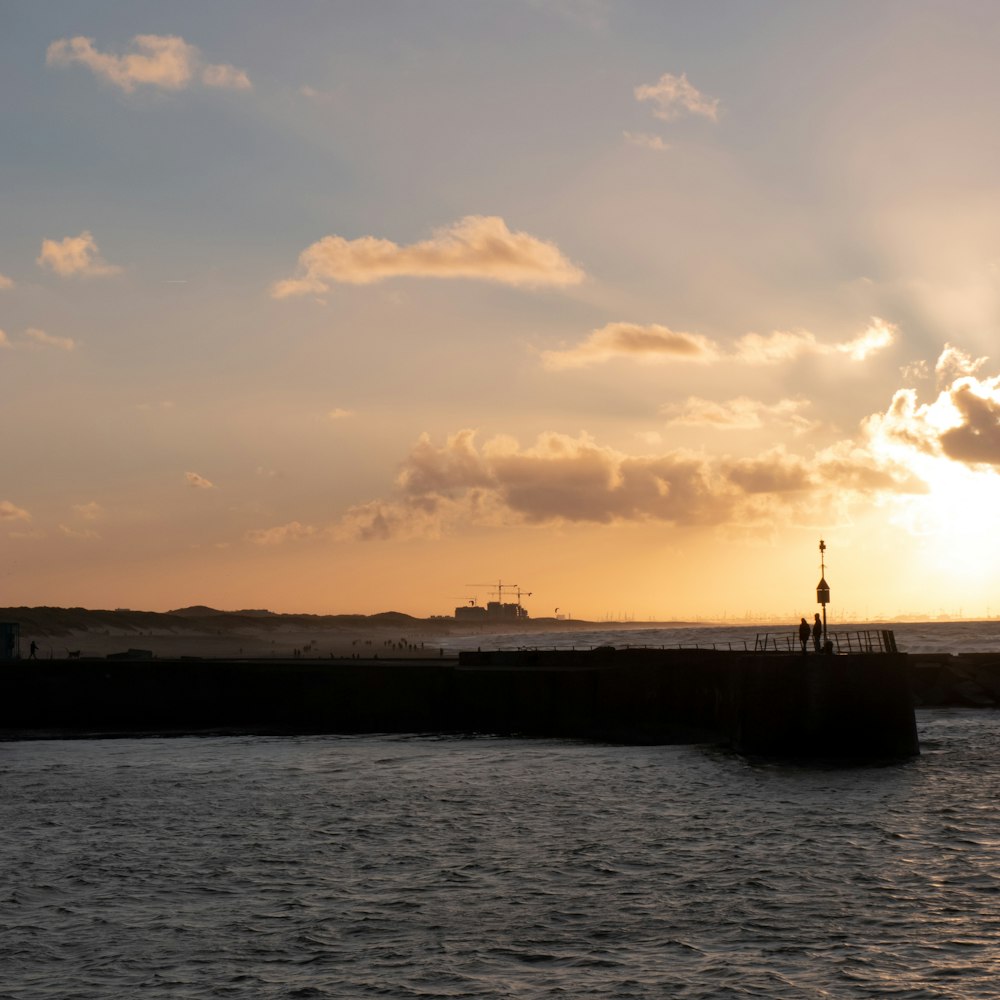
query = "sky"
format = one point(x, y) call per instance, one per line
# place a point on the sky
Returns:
point(338, 307)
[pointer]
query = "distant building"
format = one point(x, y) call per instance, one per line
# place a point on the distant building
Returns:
point(494, 611)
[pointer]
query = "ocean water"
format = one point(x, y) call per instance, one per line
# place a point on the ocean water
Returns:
point(416, 866)
point(911, 637)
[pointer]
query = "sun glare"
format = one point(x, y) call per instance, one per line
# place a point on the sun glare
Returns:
point(955, 521)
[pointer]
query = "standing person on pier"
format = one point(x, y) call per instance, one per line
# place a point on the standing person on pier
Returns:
point(803, 634)
point(817, 632)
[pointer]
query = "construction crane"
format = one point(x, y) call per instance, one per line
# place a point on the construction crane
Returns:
point(500, 588)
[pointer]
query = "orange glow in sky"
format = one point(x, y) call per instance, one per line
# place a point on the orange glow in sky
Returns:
point(630, 304)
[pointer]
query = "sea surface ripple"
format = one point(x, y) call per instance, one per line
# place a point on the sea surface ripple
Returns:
point(425, 867)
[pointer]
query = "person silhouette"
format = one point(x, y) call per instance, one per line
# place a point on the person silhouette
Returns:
point(32, 650)
point(817, 632)
point(803, 634)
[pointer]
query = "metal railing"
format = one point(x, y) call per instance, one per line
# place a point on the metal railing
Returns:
point(860, 641)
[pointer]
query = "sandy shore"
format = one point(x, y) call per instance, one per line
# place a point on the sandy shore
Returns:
point(251, 644)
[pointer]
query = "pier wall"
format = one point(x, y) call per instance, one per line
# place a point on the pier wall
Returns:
point(837, 706)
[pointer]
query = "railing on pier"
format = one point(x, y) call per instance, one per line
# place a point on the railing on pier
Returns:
point(861, 641)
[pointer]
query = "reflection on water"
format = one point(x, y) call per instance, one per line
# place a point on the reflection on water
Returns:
point(421, 866)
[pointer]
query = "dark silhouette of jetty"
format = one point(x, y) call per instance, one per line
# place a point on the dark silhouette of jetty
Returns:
point(853, 706)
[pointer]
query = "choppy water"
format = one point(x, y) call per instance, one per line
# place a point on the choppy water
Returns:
point(911, 637)
point(421, 867)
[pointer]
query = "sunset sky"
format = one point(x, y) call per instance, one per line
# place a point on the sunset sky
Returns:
point(353, 307)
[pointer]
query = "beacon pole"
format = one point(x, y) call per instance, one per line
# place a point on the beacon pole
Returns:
point(823, 588)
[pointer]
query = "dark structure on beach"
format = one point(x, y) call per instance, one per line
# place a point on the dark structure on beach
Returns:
point(856, 705)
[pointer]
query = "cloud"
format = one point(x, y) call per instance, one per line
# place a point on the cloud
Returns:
point(91, 511)
point(282, 533)
point(741, 413)
point(6, 282)
point(658, 343)
point(75, 255)
point(226, 76)
point(647, 140)
point(43, 339)
point(198, 482)
point(4, 342)
point(877, 336)
point(474, 247)
point(164, 61)
point(675, 96)
point(915, 371)
point(954, 363)
point(630, 340)
point(80, 533)
point(962, 424)
point(340, 414)
point(566, 479)
point(775, 347)
point(319, 96)
point(9, 512)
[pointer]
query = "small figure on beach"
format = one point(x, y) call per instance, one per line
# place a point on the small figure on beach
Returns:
point(804, 634)
point(33, 650)
point(817, 632)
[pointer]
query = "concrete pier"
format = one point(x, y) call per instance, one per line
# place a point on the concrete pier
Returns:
point(856, 706)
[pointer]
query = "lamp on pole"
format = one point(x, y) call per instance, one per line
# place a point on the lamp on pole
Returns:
point(823, 588)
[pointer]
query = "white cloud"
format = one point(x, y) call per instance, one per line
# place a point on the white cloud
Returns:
point(954, 363)
point(6, 282)
point(915, 371)
point(89, 511)
point(340, 414)
point(675, 96)
point(653, 342)
point(741, 413)
point(198, 482)
point(878, 335)
point(165, 61)
point(646, 139)
point(43, 339)
point(75, 255)
point(10, 512)
point(474, 247)
point(774, 347)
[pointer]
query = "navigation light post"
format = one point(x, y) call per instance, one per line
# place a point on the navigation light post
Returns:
point(823, 588)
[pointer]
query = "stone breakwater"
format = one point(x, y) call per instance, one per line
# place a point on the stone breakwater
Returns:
point(970, 680)
point(833, 706)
